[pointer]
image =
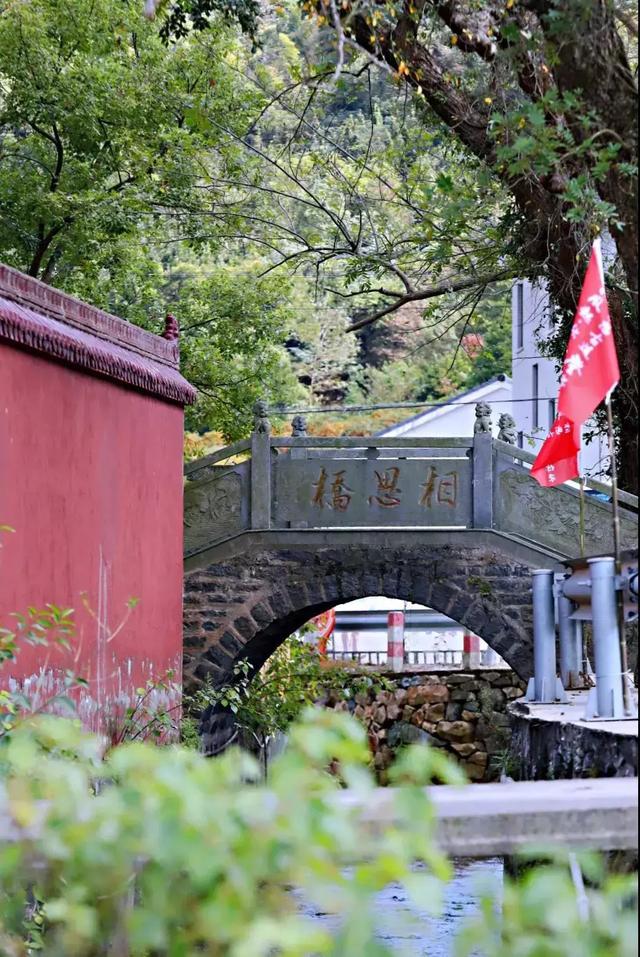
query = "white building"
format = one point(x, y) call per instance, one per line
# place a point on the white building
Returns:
point(456, 416)
point(529, 395)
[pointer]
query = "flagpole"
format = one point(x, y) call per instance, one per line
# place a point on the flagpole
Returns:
point(581, 516)
point(581, 507)
point(617, 551)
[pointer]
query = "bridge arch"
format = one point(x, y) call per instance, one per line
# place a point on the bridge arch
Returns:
point(269, 543)
point(245, 607)
point(279, 529)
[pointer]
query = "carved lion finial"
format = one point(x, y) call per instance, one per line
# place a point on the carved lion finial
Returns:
point(483, 418)
point(261, 423)
point(171, 328)
point(298, 426)
point(507, 426)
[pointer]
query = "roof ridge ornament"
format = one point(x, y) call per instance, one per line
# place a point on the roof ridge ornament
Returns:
point(171, 328)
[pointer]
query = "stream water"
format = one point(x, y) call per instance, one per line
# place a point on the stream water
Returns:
point(409, 933)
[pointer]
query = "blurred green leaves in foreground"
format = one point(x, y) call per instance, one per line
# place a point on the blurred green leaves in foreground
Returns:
point(160, 851)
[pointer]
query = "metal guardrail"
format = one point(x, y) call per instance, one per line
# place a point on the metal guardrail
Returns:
point(360, 657)
point(435, 658)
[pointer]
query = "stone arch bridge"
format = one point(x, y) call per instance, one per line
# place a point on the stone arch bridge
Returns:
point(278, 529)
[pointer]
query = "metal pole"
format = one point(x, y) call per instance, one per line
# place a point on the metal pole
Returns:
point(544, 687)
point(617, 551)
point(581, 516)
point(570, 633)
point(609, 698)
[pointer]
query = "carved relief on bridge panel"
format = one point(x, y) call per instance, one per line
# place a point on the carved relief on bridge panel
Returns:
point(213, 509)
point(523, 505)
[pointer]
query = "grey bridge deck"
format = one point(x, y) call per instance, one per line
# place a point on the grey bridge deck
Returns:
point(278, 491)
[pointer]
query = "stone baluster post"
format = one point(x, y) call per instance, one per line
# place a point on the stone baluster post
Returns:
point(260, 468)
point(482, 476)
point(298, 431)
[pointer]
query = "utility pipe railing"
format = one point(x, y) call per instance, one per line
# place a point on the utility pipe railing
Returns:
point(545, 687)
point(573, 666)
point(585, 594)
point(607, 700)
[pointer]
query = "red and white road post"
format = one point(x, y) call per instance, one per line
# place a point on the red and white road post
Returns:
point(470, 651)
point(395, 640)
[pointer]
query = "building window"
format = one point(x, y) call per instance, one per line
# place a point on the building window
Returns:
point(520, 315)
point(535, 377)
point(552, 412)
point(520, 440)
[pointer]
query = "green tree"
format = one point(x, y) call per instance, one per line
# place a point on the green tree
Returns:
point(270, 701)
point(100, 166)
point(529, 110)
point(93, 129)
point(543, 93)
point(233, 322)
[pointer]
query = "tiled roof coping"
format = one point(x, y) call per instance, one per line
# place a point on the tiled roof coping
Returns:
point(41, 318)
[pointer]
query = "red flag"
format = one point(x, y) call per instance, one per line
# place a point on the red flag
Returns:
point(590, 368)
point(589, 372)
point(557, 460)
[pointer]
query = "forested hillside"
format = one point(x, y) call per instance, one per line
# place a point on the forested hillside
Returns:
point(267, 202)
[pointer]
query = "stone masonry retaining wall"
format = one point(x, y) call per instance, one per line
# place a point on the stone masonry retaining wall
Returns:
point(463, 713)
point(548, 748)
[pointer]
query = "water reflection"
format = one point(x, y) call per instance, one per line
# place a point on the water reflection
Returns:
point(406, 931)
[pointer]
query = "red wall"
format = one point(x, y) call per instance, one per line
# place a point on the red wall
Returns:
point(91, 481)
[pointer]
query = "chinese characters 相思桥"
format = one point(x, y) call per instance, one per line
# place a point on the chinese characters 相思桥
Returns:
point(334, 492)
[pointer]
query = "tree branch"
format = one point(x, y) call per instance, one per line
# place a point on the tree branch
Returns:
point(429, 292)
point(626, 20)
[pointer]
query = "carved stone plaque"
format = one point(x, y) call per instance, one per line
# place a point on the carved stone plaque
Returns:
point(325, 492)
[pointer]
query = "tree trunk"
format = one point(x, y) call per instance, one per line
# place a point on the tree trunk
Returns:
point(587, 58)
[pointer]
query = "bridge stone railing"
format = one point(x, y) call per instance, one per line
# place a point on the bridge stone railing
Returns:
point(279, 483)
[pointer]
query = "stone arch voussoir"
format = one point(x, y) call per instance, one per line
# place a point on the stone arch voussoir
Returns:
point(245, 609)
